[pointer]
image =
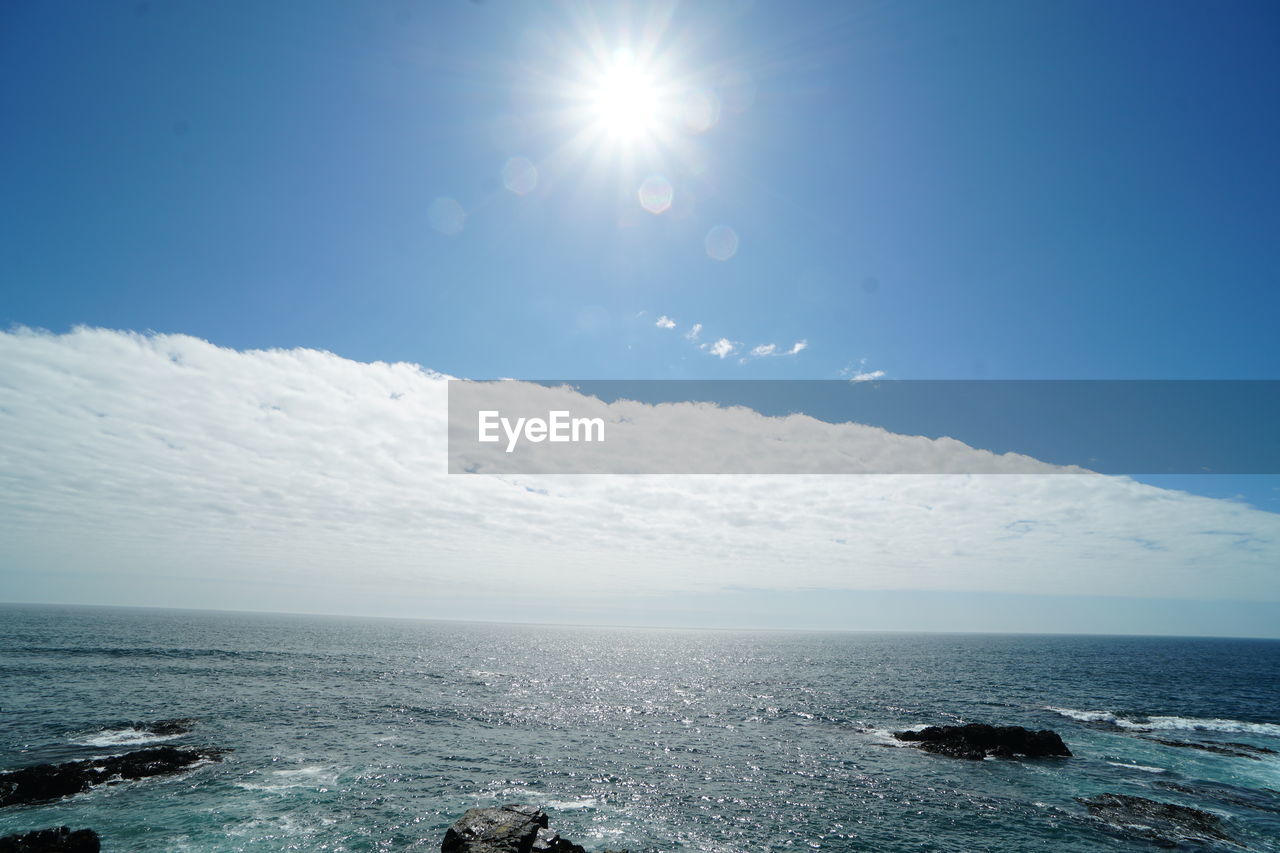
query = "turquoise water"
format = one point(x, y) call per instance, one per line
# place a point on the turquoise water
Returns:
point(353, 734)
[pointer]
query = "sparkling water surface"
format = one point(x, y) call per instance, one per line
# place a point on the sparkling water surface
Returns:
point(373, 734)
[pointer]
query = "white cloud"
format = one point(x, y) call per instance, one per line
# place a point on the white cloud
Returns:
point(142, 460)
point(723, 348)
point(765, 350)
point(860, 373)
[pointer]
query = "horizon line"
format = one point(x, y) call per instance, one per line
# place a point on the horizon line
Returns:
point(632, 626)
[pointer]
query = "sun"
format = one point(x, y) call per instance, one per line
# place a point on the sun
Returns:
point(626, 100)
point(622, 106)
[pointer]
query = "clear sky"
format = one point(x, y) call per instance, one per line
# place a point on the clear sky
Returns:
point(1019, 190)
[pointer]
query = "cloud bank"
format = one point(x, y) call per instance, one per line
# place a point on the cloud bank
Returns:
point(139, 460)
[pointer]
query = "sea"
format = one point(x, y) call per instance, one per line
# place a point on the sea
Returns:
point(351, 734)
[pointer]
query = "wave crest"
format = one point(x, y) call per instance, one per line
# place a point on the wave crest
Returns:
point(123, 737)
point(1171, 723)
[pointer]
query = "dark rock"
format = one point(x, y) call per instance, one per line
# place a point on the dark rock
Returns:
point(551, 842)
point(509, 829)
point(1235, 750)
point(1163, 824)
point(1248, 747)
point(976, 741)
point(51, 781)
point(59, 840)
point(1262, 799)
point(176, 726)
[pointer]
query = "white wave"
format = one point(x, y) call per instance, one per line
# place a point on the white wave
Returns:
point(884, 737)
point(123, 737)
point(302, 772)
point(585, 803)
point(1202, 725)
point(1085, 716)
point(541, 798)
point(279, 781)
point(1138, 767)
point(1170, 723)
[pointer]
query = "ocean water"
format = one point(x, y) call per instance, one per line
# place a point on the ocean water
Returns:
point(362, 734)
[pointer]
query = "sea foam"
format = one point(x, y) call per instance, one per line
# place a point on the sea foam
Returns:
point(1171, 723)
point(123, 737)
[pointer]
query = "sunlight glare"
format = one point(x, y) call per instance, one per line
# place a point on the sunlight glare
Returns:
point(627, 100)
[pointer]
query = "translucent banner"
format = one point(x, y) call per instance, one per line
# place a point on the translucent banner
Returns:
point(875, 427)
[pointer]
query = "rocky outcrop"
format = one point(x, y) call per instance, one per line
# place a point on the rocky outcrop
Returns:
point(976, 741)
point(52, 781)
point(509, 829)
point(506, 829)
point(59, 840)
point(1163, 824)
point(551, 842)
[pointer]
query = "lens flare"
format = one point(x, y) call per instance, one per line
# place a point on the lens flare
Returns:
point(655, 194)
point(721, 243)
point(447, 216)
point(520, 175)
point(700, 110)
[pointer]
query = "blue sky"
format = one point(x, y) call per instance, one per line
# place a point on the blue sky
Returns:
point(1000, 190)
point(1038, 190)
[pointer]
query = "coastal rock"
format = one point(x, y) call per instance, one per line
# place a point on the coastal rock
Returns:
point(976, 741)
point(1163, 824)
point(176, 726)
point(551, 842)
point(1232, 748)
point(59, 840)
point(507, 829)
point(52, 781)
point(1260, 799)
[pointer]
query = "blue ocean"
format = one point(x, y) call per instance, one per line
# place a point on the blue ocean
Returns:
point(374, 734)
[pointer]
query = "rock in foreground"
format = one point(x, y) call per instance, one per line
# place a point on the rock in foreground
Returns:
point(1163, 824)
point(52, 781)
point(59, 840)
point(977, 741)
point(509, 829)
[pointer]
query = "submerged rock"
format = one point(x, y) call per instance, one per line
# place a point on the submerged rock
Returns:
point(1232, 748)
point(507, 829)
point(52, 781)
point(1163, 824)
point(976, 741)
point(59, 840)
point(176, 726)
point(1261, 799)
